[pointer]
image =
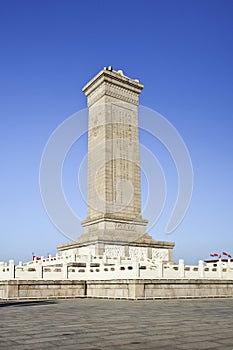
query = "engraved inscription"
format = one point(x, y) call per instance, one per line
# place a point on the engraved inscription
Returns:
point(127, 227)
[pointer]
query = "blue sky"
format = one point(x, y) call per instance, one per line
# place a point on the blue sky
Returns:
point(182, 51)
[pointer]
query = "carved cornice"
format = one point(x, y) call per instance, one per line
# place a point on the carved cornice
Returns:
point(114, 84)
point(112, 90)
point(113, 77)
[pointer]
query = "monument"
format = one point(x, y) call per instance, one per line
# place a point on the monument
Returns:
point(114, 226)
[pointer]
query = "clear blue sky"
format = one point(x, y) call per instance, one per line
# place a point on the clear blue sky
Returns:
point(182, 51)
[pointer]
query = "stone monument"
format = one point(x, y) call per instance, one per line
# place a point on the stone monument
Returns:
point(114, 257)
point(114, 226)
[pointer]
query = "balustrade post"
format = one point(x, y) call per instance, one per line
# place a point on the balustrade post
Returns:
point(40, 271)
point(219, 268)
point(201, 268)
point(181, 268)
point(65, 270)
point(136, 266)
point(12, 269)
point(160, 269)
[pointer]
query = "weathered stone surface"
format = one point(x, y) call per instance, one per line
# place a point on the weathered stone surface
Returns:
point(41, 289)
point(117, 325)
point(124, 288)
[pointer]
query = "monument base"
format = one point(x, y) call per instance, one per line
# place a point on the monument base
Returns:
point(114, 238)
point(156, 250)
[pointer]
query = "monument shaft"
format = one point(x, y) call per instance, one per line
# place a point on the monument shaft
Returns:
point(113, 147)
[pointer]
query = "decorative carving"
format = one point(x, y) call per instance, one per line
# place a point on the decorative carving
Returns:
point(114, 251)
point(121, 93)
point(159, 254)
point(112, 90)
point(138, 252)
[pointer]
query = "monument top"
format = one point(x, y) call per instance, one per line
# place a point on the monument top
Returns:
point(111, 76)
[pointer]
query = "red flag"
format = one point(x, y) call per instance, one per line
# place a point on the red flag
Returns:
point(214, 254)
point(228, 255)
point(34, 257)
point(224, 253)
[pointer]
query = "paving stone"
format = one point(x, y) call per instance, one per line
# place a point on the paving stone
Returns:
point(123, 325)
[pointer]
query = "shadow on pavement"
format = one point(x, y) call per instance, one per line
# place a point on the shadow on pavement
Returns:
point(27, 303)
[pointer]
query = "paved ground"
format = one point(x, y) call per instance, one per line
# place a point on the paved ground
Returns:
point(109, 324)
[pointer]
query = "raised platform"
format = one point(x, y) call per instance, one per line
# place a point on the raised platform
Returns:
point(116, 289)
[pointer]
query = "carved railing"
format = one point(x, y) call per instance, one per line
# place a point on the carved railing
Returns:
point(103, 268)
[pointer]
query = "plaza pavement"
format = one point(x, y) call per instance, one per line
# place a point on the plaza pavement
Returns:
point(117, 324)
